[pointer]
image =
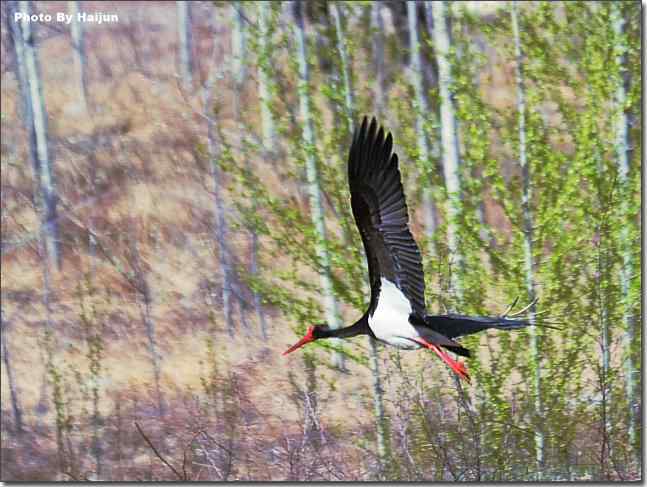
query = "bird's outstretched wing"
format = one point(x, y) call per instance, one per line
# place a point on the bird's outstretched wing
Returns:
point(380, 211)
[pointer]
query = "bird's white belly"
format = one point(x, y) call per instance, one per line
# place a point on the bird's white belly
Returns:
point(390, 321)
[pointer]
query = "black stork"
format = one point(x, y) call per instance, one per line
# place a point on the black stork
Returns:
point(397, 314)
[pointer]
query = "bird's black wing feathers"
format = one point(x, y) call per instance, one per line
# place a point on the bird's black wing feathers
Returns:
point(380, 211)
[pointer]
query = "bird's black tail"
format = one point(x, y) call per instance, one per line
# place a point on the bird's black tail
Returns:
point(453, 326)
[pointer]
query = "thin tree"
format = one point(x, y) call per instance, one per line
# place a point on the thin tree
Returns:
point(93, 326)
point(78, 46)
point(238, 43)
point(449, 138)
point(422, 109)
point(622, 160)
point(264, 76)
point(377, 25)
point(29, 84)
point(239, 73)
point(14, 392)
point(220, 227)
point(382, 438)
point(336, 12)
point(312, 176)
point(603, 305)
point(140, 281)
point(48, 197)
point(185, 42)
point(77, 32)
point(529, 264)
point(25, 94)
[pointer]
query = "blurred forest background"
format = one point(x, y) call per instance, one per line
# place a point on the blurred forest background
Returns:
point(175, 212)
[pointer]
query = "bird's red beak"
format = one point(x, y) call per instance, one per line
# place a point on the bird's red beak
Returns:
point(309, 337)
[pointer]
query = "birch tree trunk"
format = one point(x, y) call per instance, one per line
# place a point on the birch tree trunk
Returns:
point(336, 13)
point(238, 43)
point(35, 120)
point(622, 155)
point(185, 41)
point(377, 24)
point(383, 437)
point(604, 379)
point(220, 228)
point(264, 74)
point(422, 109)
point(48, 196)
point(78, 45)
point(239, 74)
point(145, 302)
point(312, 177)
point(25, 94)
point(449, 139)
point(149, 324)
point(528, 240)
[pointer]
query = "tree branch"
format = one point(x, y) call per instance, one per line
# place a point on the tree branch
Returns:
point(150, 444)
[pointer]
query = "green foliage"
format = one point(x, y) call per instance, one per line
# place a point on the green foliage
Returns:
point(571, 72)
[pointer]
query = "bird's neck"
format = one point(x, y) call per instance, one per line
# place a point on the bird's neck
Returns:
point(360, 327)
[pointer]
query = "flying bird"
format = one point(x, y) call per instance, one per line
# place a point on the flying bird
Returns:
point(397, 314)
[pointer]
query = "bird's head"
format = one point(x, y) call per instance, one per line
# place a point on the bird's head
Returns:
point(314, 332)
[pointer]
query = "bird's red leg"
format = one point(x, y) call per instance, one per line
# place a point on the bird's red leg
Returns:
point(458, 367)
